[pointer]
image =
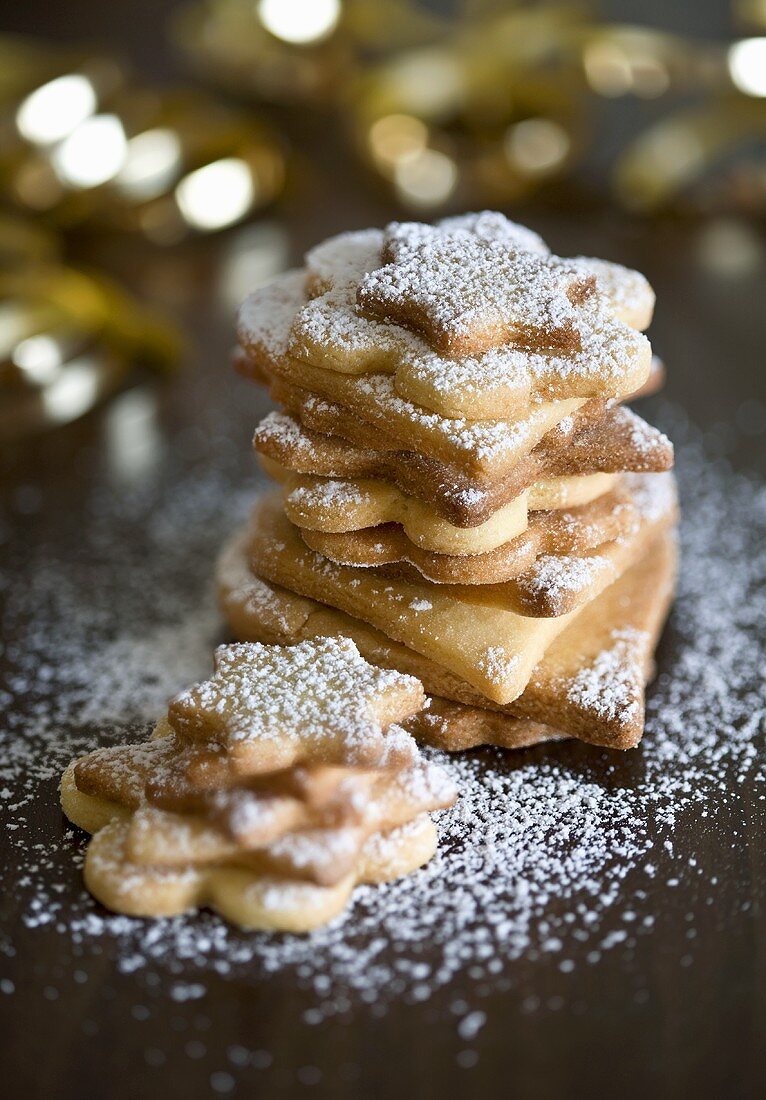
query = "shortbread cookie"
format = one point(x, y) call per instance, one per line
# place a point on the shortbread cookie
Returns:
point(324, 439)
point(589, 684)
point(466, 293)
point(348, 257)
point(322, 847)
point(494, 649)
point(613, 360)
point(565, 531)
point(331, 332)
point(268, 708)
point(556, 584)
point(252, 812)
point(338, 505)
point(352, 504)
point(246, 898)
point(483, 446)
point(455, 727)
point(279, 848)
point(323, 854)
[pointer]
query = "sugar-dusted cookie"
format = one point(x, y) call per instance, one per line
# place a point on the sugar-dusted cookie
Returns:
point(466, 292)
point(332, 332)
point(554, 584)
point(352, 504)
point(346, 258)
point(269, 846)
point(588, 550)
point(592, 440)
point(282, 334)
point(484, 449)
point(267, 709)
point(589, 683)
point(563, 531)
point(247, 898)
point(491, 647)
point(612, 360)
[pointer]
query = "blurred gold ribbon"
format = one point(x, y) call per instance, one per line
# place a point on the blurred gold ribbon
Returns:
point(86, 145)
point(500, 99)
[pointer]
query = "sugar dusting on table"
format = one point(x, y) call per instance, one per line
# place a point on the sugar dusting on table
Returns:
point(548, 853)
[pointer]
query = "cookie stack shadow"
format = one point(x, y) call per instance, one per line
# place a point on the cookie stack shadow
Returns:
point(462, 489)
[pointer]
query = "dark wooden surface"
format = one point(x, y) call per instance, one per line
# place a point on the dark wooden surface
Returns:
point(696, 1031)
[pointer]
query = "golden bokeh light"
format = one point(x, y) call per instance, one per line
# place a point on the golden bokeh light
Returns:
point(427, 179)
point(429, 81)
point(217, 195)
point(397, 138)
point(75, 390)
point(50, 113)
point(659, 163)
point(255, 255)
point(39, 358)
point(537, 146)
point(627, 61)
point(152, 162)
point(747, 66)
point(730, 248)
point(92, 154)
point(300, 22)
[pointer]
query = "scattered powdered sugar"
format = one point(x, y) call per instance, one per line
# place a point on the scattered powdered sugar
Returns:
point(608, 685)
point(419, 604)
point(549, 853)
point(496, 664)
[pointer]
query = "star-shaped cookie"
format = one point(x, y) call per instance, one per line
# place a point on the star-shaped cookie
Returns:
point(465, 292)
point(266, 707)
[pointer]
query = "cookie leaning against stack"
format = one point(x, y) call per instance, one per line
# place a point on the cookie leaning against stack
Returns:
point(268, 792)
point(461, 490)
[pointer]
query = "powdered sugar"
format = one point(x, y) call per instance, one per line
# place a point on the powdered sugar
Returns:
point(548, 853)
point(608, 685)
point(467, 292)
point(308, 695)
point(331, 495)
point(343, 259)
point(265, 316)
point(558, 575)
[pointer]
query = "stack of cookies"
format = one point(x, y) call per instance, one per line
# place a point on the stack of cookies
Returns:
point(267, 792)
point(461, 489)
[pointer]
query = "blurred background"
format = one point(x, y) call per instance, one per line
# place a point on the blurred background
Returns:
point(162, 157)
